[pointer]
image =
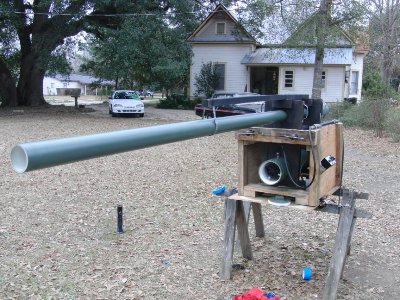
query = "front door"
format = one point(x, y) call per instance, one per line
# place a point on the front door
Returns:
point(264, 80)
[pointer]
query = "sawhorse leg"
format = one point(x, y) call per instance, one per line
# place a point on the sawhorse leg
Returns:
point(258, 219)
point(342, 245)
point(236, 215)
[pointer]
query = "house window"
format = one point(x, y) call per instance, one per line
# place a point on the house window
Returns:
point(65, 84)
point(220, 28)
point(220, 71)
point(354, 82)
point(289, 79)
point(323, 79)
point(52, 85)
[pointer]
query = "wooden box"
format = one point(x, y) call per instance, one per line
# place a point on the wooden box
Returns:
point(326, 140)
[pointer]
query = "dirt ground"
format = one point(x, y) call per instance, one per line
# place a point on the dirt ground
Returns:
point(58, 235)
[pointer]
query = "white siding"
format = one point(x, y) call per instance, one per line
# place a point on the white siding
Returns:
point(357, 65)
point(74, 85)
point(236, 74)
point(335, 83)
point(50, 86)
point(303, 79)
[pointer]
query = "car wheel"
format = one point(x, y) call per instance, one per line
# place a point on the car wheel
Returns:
point(113, 114)
point(110, 110)
point(141, 115)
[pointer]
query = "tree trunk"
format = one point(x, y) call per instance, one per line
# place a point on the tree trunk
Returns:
point(386, 66)
point(30, 84)
point(116, 83)
point(8, 90)
point(317, 79)
point(322, 28)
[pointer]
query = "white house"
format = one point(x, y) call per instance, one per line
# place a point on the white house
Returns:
point(83, 82)
point(244, 65)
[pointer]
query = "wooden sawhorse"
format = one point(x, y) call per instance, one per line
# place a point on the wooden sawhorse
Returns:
point(237, 209)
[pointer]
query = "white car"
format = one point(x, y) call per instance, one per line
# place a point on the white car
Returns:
point(125, 102)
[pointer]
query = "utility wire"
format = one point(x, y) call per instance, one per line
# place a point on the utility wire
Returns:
point(90, 15)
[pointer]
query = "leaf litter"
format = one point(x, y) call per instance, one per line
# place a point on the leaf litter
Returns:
point(58, 226)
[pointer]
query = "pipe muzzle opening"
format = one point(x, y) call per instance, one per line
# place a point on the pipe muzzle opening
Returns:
point(272, 171)
point(19, 159)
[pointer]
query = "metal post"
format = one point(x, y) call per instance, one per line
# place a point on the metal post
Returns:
point(120, 220)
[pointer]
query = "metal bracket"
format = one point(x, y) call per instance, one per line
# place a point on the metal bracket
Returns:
point(292, 137)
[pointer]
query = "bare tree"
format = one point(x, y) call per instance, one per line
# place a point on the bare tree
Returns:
point(322, 28)
point(384, 33)
point(327, 17)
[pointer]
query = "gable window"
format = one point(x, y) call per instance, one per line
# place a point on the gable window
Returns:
point(289, 79)
point(220, 28)
point(323, 79)
point(220, 71)
point(354, 82)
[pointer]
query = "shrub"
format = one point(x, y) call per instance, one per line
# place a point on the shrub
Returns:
point(371, 113)
point(392, 125)
point(350, 114)
point(176, 101)
point(337, 110)
point(378, 110)
point(207, 80)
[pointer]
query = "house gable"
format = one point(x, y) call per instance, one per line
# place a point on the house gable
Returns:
point(297, 56)
point(254, 68)
point(220, 27)
point(305, 36)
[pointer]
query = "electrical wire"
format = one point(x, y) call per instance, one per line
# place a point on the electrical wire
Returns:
point(315, 165)
point(51, 14)
point(90, 15)
point(287, 170)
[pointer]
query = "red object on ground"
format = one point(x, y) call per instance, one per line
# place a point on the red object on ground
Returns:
point(253, 294)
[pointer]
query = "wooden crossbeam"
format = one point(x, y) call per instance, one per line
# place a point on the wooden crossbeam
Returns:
point(335, 209)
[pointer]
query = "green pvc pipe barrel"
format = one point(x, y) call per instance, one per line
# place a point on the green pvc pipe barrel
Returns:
point(44, 154)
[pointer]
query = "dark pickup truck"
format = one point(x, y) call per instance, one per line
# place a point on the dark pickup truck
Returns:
point(229, 109)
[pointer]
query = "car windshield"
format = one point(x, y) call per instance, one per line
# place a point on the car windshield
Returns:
point(133, 95)
point(229, 95)
point(222, 95)
point(126, 95)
